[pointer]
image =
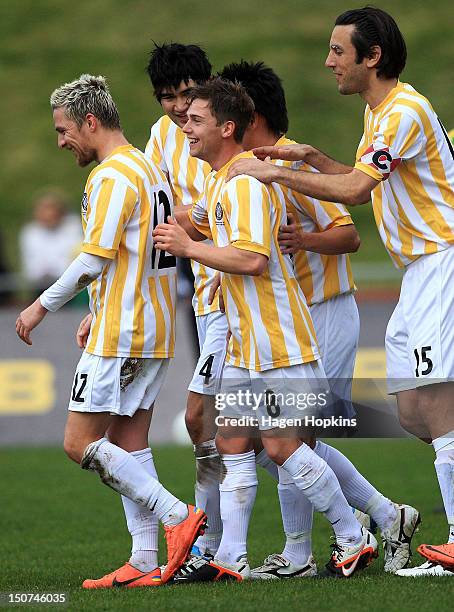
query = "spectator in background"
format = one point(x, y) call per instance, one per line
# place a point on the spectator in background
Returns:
point(49, 243)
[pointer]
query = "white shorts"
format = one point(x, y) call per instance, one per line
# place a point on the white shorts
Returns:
point(212, 330)
point(420, 333)
point(118, 385)
point(274, 398)
point(336, 323)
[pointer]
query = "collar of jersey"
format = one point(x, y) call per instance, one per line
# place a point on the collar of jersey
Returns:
point(394, 91)
point(120, 149)
point(284, 140)
point(222, 171)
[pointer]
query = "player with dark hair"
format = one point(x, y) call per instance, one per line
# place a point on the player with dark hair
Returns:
point(376, 28)
point(322, 267)
point(266, 91)
point(405, 164)
point(272, 348)
point(172, 65)
point(173, 69)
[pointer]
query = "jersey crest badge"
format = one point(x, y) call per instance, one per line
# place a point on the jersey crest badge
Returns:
point(219, 213)
point(84, 204)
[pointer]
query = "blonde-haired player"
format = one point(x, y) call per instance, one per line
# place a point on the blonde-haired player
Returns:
point(132, 300)
point(405, 162)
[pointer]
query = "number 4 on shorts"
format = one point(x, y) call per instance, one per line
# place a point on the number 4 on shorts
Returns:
point(205, 370)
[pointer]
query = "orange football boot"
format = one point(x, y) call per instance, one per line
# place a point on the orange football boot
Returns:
point(180, 539)
point(127, 577)
point(443, 554)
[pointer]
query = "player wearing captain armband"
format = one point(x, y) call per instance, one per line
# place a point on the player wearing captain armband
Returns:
point(405, 164)
point(131, 337)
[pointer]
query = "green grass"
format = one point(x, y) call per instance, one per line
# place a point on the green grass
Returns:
point(49, 42)
point(61, 525)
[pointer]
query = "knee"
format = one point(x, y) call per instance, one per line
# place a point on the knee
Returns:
point(72, 449)
point(228, 444)
point(409, 420)
point(274, 452)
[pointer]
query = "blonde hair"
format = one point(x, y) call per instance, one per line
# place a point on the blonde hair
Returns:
point(87, 94)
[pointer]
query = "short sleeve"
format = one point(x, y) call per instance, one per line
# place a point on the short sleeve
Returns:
point(110, 205)
point(248, 206)
point(198, 216)
point(399, 137)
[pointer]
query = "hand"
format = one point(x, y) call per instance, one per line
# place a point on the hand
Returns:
point(261, 170)
point(29, 319)
point(172, 238)
point(296, 152)
point(83, 331)
point(215, 285)
point(291, 236)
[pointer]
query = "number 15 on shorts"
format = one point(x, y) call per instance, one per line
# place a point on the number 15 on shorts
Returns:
point(424, 365)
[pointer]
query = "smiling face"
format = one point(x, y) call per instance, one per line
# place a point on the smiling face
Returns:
point(73, 138)
point(205, 137)
point(175, 103)
point(351, 77)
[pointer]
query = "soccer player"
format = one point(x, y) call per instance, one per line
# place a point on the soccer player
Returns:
point(405, 163)
point(326, 233)
point(173, 69)
point(132, 299)
point(272, 344)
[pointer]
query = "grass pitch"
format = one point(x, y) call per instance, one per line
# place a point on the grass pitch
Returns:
point(61, 525)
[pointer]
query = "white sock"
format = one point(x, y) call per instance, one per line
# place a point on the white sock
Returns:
point(142, 523)
point(123, 473)
point(208, 471)
point(444, 466)
point(238, 489)
point(297, 517)
point(357, 490)
point(318, 482)
point(267, 464)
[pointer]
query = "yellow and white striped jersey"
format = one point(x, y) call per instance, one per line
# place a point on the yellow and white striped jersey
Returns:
point(168, 147)
point(267, 314)
point(405, 146)
point(133, 300)
point(321, 276)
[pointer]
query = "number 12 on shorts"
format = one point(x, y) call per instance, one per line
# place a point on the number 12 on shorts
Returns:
point(80, 382)
point(423, 360)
